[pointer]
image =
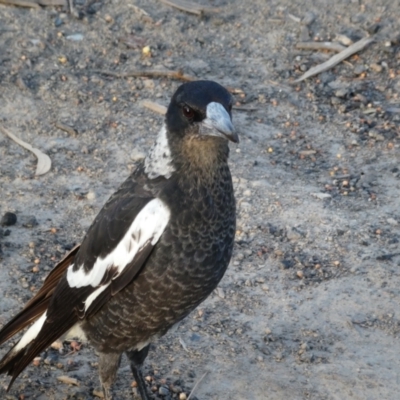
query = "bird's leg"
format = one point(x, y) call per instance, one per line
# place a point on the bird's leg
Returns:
point(136, 359)
point(108, 367)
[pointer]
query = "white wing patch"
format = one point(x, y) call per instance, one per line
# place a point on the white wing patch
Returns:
point(31, 333)
point(149, 224)
point(159, 161)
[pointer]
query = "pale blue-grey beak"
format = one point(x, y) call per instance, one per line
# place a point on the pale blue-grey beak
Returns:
point(218, 123)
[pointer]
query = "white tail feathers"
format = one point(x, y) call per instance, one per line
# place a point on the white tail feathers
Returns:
point(31, 333)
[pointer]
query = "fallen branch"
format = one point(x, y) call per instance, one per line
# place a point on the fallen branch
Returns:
point(320, 46)
point(44, 161)
point(189, 7)
point(336, 59)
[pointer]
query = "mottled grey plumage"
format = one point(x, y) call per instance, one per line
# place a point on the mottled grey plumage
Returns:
point(166, 280)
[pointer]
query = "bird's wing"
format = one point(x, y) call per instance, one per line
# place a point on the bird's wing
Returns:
point(112, 253)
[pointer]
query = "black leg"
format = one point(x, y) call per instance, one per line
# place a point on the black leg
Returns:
point(108, 367)
point(136, 359)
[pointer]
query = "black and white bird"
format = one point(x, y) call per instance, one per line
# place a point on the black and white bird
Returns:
point(156, 250)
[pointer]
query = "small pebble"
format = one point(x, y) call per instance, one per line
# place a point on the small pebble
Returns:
point(300, 274)
point(182, 396)
point(76, 37)
point(376, 67)
point(57, 345)
point(321, 196)
point(163, 391)
point(146, 51)
point(8, 219)
point(392, 221)
point(91, 195)
point(58, 22)
point(36, 361)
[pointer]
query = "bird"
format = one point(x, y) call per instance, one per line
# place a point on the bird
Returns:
point(157, 249)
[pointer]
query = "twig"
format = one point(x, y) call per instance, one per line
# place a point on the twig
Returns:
point(21, 3)
point(71, 6)
point(44, 161)
point(158, 108)
point(52, 2)
point(294, 18)
point(320, 46)
point(197, 384)
point(149, 74)
point(34, 3)
point(179, 75)
point(336, 59)
point(68, 380)
point(71, 131)
point(189, 7)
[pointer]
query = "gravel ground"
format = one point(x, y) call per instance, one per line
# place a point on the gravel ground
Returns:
point(309, 307)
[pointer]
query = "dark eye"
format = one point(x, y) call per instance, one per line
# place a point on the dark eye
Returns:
point(188, 112)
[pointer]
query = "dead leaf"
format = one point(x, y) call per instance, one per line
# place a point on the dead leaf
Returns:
point(44, 161)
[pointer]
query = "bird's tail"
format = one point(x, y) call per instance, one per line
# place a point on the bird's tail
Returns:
point(34, 312)
point(11, 362)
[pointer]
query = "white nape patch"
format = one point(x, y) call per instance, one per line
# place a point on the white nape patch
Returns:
point(149, 224)
point(31, 333)
point(159, 162)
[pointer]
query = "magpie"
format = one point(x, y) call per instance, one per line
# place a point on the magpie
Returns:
point(156, 250)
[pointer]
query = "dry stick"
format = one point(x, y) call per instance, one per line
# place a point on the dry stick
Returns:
point(158, 74)
point(197, 384)
point(71, 131)
point(148, 74)
point(158, 108)
point(71, 6)
point(189, 7)
point(44, 161)
point(52, 2)
point(320, 46)
point(21, 3)
point(336, 59)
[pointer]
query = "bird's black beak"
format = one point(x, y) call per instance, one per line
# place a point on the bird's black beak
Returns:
point(218, 123)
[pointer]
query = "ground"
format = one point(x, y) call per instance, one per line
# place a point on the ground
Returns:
point(309, 307)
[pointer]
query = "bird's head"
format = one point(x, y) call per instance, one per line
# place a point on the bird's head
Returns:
point(199, 111)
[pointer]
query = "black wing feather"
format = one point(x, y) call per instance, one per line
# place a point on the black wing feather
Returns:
point(66, 304)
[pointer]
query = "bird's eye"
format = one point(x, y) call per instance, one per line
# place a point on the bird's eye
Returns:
point(188, 112)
